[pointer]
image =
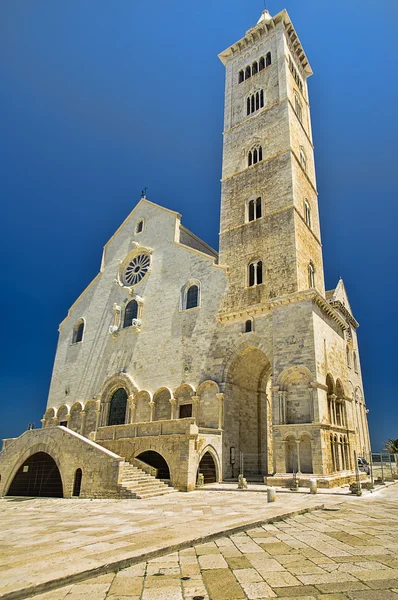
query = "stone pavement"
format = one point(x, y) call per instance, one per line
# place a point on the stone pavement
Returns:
point(348, 551)
point(46, 539)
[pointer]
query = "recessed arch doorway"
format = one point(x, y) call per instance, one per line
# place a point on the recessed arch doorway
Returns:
point(37, 476)
point(248, 413)
point(207, 467)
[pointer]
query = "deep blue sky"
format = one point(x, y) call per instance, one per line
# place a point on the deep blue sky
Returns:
point(101, 98)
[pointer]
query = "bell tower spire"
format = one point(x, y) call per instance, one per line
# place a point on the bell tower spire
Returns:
point(269, 231)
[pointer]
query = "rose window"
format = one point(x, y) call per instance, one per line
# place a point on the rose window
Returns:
point(136, 269)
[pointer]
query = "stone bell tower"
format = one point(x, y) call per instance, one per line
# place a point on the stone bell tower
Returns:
point(269, 233)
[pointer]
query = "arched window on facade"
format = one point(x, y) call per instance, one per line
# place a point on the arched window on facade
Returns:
point(261, 65)
point(254, 209)
point(248, 326)
point(250, 159)
point(253, 105)
point(248, 106)
point(307, 213)
point(268, 59)
point(311, 275)
point(262, 99)
point(255, 273)
point(118, 408)
point(78, 332)
point(348, 356)
point(260, 153)
point(355, 362)
point(303, 158)
point(254, 68)
point(257, 101)
point(241, 76)
point(192, 300)
point(255, 156)
point(140, 226)
point(248, 73)
point(130, 313)
point(298, 108)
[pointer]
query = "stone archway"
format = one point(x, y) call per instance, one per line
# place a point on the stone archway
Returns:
point(37, 476)
point(207, 467)
point(157, 461)
point(248, 412)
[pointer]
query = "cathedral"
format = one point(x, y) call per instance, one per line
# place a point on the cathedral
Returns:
point(179, 364)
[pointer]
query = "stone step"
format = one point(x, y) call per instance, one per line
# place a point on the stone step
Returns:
point(149, 488)
point(154, 494)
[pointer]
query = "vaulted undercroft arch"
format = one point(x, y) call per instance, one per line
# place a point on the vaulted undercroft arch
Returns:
point(248, 412)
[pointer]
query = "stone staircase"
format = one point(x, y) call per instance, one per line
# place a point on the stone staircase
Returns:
point(136, 483)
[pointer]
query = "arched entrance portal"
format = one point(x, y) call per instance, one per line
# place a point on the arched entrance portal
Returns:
point(156, 460)
point(248, 414)
point(207, 467)
point(117, 409)
point(38, 476)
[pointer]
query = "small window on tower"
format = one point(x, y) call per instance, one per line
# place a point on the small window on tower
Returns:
point(255, 273)
point(78, 332)
point(254, 68)
point(241, 76)
point(311, 275)
point(248, 326)
point(261, 64)
point(303, 158)
point(298, 108)
point(248, 105)
point(140, 226)
point(268, 59)
point(248, 73)
point(250, 159)
point(260, 153)
point(262, 99)
point(307, 213)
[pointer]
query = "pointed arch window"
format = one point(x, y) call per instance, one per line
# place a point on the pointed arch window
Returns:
point(130, 313)
point(255, 273)
point(311, 275)
point(257, 101)
point(248, 73)
point(250, 159)
point(140, 226)
point(262, 99)
point(248, 106)
point(255, 155)
point(307, 213)
point(254, 68)
point(78, 332)
point(261, 65)
point(241, 76)
point(254, 209)
point(268, 59)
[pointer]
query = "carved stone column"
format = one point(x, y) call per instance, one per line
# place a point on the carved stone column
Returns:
point(83, 422)
point(97, 419)
point(152, 410)
point(173, 403)
point(298, 456)
point(333, 408)
point(131, 405)
point(282, 407)
point(133, 411)
point(220, 398)
point(195, 408)
point(311, 399)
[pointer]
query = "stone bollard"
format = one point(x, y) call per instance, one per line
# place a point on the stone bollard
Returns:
point(242, 483)
point(313, 486)
point(271, 494)
point(201, 480)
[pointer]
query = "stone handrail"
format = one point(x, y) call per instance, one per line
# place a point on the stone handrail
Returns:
point(144, 466)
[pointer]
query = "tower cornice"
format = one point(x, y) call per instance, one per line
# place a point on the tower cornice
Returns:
point(262, 28)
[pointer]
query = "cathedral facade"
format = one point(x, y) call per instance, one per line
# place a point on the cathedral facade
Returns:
point(178, 360)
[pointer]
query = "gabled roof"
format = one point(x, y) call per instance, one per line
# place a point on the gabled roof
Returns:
point(262, 28)
point(338, 298)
